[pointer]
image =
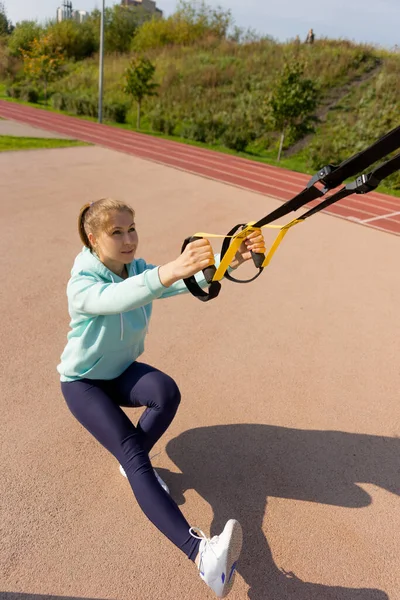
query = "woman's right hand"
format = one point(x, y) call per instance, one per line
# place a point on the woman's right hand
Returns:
point(196, 256)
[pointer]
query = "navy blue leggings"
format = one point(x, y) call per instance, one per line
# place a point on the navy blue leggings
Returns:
point(96, 405)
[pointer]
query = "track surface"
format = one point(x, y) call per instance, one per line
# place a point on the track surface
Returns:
point(373, 210)
point(289, 419)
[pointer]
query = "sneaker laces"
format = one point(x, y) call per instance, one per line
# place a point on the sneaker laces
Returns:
point(208, 542)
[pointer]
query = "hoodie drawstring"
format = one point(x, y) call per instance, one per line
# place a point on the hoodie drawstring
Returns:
point(142, 307)
point(121, 319)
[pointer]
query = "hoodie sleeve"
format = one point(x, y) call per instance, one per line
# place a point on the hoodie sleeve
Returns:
point(179, 287)
point(87, 294)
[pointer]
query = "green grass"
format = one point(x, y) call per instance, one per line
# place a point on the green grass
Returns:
point(297, 163)
point(384, 190)
point(10, 142)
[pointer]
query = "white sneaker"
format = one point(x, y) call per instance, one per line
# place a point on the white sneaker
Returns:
point(160, 481)
point(218, 557)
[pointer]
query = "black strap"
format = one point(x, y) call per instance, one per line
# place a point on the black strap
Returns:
point(361, 161)
point(295, 203)
point(362, 185)
point(331, 176)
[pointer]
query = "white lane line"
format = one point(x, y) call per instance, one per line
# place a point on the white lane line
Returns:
point(387, 216)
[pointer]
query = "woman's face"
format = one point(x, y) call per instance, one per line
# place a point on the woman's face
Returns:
point(116, 246)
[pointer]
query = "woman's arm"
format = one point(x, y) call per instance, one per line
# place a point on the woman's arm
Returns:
point(88, 294)
point(253, 243)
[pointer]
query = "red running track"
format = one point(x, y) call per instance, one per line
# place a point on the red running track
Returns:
point(373, 210)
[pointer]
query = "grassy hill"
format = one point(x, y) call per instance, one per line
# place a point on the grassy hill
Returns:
point(216, 90)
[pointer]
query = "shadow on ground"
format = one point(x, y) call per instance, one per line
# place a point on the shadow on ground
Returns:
point(235, 468)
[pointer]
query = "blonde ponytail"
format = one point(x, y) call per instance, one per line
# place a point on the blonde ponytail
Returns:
point(81, 225)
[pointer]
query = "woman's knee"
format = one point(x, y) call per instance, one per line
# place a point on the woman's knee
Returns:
point(169, 395)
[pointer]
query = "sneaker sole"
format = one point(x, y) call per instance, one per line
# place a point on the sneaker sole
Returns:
point(235, 548)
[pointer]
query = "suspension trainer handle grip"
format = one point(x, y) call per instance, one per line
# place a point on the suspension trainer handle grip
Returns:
point(208, 273)
point(258, 259)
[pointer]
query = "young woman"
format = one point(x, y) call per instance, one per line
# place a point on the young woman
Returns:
point(110, 295)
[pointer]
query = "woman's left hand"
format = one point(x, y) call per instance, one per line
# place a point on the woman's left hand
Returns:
point(254, 242)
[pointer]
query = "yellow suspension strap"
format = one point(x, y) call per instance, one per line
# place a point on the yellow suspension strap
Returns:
point(214, 275)
point(261, 261)
point(330, 177)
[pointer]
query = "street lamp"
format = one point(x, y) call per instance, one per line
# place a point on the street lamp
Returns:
point(101, 65)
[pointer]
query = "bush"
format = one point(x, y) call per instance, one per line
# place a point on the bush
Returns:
point(163, 123)
point(116, 111)
point(29, 94)
point(87, 105)
point(236, 139)
point(58, 101)
point(13, 91)
point(238, 135)
point(25, 92)
point(194, 130)
point(206, 128)
point(82, 105)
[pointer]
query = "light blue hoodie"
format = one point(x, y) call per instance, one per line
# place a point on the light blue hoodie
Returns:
point(110, 316)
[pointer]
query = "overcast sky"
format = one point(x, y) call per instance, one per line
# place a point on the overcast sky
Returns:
point(373, 21)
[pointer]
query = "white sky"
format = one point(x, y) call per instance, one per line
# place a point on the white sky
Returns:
point(372, 21)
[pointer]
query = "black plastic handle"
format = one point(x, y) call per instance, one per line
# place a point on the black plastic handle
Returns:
point(208, 273)
point(258, 258)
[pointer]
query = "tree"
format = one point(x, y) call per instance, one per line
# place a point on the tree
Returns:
point(23, 35)
point(138, 81)
point(192, 21)
point(293, 101)
point(121, 25)
point(5, 25)
point(76, 40)
point(215, 21)
point(43, 61)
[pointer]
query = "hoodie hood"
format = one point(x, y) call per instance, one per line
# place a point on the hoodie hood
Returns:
point(88, 261)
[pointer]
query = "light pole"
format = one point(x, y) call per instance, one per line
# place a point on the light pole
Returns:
point(101, 65)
